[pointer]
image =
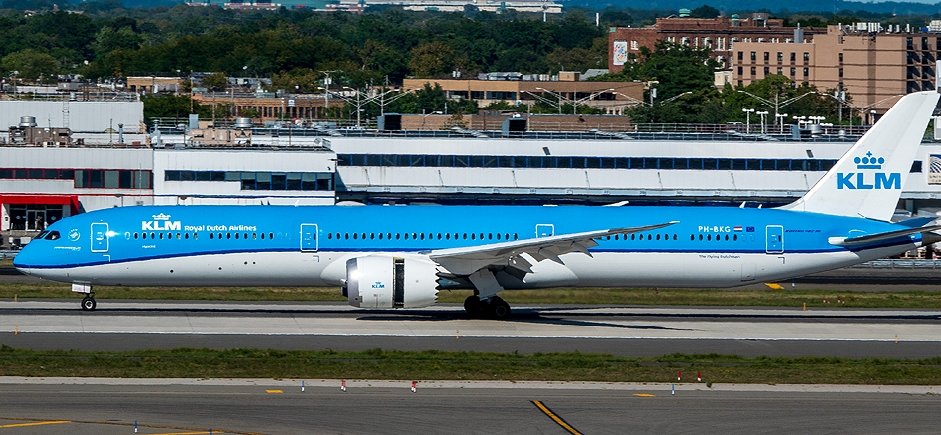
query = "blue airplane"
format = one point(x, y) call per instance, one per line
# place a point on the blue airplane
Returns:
point(402, 256)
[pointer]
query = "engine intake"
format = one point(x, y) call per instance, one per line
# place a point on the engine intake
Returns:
point(380, 281)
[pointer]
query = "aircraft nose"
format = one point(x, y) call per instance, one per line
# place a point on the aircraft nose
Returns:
point(22, 260)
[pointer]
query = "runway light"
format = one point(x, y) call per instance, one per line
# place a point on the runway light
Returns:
point(343, 385)
point(679, 375)
point(302, 386)
point(698, 376)
point(672, 389)
point(414, 386)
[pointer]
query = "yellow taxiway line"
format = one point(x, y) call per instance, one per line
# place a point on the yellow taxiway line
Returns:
point(554, 417)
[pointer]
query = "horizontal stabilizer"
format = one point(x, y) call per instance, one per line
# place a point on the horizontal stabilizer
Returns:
point(916, 222)
point(870, 238)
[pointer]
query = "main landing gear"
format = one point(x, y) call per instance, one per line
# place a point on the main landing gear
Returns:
point(494, 308)
point(88, 302)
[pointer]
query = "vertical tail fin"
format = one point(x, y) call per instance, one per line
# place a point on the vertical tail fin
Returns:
point(867, 181)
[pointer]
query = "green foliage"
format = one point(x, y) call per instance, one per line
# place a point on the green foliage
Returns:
point(366, 48)
point(705, 11)
point(31, 64)
point(216, 82)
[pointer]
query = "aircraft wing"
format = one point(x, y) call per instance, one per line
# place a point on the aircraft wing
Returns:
point(870, 238)
point(467, 260)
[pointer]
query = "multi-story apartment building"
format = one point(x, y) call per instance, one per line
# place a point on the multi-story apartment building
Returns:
point(718, 34)
point(873, 66)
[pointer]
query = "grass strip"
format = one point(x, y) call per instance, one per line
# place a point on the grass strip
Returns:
point(813, 298)
point(385, 364)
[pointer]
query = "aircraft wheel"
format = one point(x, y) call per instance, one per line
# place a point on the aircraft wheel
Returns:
point(89, 304)
point(473, 306)
point(499, 309)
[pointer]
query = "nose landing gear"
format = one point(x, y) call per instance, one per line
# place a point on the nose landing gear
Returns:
point(88, 302)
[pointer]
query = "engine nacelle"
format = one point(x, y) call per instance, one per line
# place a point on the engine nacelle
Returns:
point(382, 281)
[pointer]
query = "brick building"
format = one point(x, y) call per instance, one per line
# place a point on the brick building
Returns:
point(718, 34)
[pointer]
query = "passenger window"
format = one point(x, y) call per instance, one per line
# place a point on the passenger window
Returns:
point(506, 236)
point(734, 237)
point(271, 235)
point(465, 236)
point(161, 236)
point(439, 236)
point(421, 236)
point(380, 236)
point(397, 236)
point(372, 236)
point(406, 236)
point(700, 237)
point(363, 235)
point(658, 237)
point(186, 236)
point(263, 235)
point(254, 236)
point(329, 236)
point(649, 236)
point(389, 236)
point(692, 237)
point(516, 236)
point(355, 236)
point(153, 236)
point(413, 236)
point(473, 236)
point(481, 236)
point(135, 236)
point(674, 236)
point(709, 237)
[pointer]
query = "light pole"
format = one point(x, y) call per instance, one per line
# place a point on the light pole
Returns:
point(545, 100)
point(762, 114)
point(779, 119)
point(777, 104)
point(748, 119)
point(593, 95)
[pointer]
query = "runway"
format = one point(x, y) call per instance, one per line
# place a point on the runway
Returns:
point(95, 406)
point(634, 331)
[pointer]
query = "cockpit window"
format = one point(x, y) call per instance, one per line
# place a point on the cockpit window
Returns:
point(42, 235)
point(53, 235)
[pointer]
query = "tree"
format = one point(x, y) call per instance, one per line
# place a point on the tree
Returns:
point(431, 60)
point(705, 11)
point(430, 99)
point(31, 64)
point(216, 82)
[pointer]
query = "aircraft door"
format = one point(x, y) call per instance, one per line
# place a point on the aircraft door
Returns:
point(309, 238)
point(545, 230)
point(774, 239)
point(99, 237)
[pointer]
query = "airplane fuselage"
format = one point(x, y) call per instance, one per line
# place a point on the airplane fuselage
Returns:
point(309, 246)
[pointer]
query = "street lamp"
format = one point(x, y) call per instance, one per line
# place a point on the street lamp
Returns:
point(555, 94)
point(762, 114)
point(779, 119)
point(776, 104)
point(747, 119)
point(593, 95)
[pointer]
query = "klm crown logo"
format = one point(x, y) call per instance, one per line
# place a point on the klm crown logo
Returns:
point(869, 175)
